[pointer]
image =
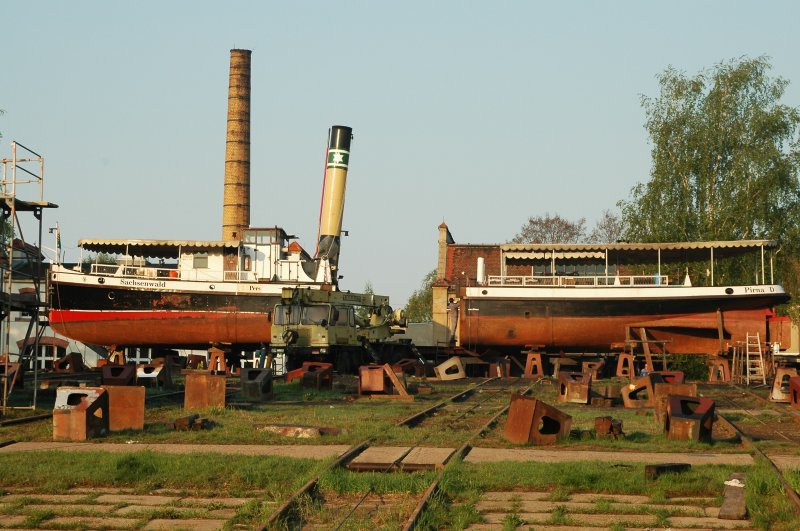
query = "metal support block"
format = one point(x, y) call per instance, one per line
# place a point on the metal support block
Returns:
point(216, 361)
point(608, 428)
point(119, 374)
point(10, 377)
point(452, 369)
point(780, 385)
point(605, 395)
point(125, 407)
point(500, 368)
point(381, 380)
point(317, 375)
point(638, 394)
point(794, 392)
point(475, 367)
point(204, 390)
point(196, 361)
point(413, 367)
point(80, 413)
point(256, 384)
point(72, 362)
point(152, 376)
point(719, 370)
point(534, 366)
point(593, 368)
point(625, 365)
point(575, 387)
point(532, 421)
point(670, 377)
point(689, 418)
point(661, 393)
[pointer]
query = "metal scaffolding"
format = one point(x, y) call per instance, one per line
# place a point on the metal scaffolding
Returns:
point(20, 261)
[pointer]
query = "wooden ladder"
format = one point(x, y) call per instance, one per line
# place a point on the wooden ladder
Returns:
point(754, 360)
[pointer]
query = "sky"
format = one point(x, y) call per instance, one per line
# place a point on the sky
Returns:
point(478, 114)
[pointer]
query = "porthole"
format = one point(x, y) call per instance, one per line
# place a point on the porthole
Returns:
point(111, 296)
point(729, 291)
point(484, 292)
point(101, 280)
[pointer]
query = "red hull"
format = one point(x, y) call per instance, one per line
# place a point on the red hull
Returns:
point(178, 329)
point(687, 334)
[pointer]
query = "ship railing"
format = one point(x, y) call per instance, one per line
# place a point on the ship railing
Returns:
point(572, 281)
point(167, 273)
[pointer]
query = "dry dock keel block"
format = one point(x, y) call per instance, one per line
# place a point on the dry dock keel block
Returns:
point(608, 428)
point(72, 362)
point(534, 366)
point(118, 374)
point(256, 384)
point(780, 385)
point(151, 375)
point(670, 377)
point(718, 370)
point(689, 418)
point(532, 421)
point(203, 390)
point(625, 365)
point(410, 366)
point(125, 407)
point(662, 391)
point(80, 413)
point(638, 394)
point(381, 380)
point(594, 368)
point(794, 392)
point(314, 374)
point(575, 387)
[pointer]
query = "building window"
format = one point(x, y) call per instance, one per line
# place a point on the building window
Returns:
point(200, 261)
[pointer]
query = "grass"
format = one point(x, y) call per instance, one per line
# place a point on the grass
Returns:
point(222, 475)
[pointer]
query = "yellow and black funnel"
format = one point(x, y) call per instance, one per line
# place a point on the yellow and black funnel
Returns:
point(332, 209)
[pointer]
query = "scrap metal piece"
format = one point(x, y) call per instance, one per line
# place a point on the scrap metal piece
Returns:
point(575, 387)
point(256, 384)
point(689, 418)
point(532, 421)
point(653, 471)
point(80, 413)
point(125, 407)
point(608, 428)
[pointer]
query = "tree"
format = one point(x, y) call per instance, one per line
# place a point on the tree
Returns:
point(608, 229)
point(362, 312)
point(725, 163)
point(725, 158)
point(551, 229)
point(419, 308)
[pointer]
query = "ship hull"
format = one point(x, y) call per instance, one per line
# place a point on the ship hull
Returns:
point(169, 314)
point(687, 320)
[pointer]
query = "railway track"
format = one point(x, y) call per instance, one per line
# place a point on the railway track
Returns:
point(486, 401)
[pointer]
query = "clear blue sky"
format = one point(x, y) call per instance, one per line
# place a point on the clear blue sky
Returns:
point(476, 113)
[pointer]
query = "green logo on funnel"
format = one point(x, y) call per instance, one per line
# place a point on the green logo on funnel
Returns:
point(338, 158)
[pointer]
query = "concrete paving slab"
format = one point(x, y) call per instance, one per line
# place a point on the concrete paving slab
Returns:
point(135, 499)
point(8, 520)
point(491, 455)
point(421, 458)
point(187, 525)
point(715, 523)
point(99, 490)
point(69, 509)
point(785, 462)
point(577, 507)
point(378, 457)
point(222, 513)
point(204, 502)
point(517, 495)
point(582, 520)
point(296, 451)
point(129, 511)
point(46, 498)
point(614, 498)
point(92, 522)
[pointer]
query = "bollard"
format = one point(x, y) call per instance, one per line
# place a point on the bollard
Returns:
point(125, 407)
point(532, 421)
point(80, 413)
point(575, 387)
point(203, 390)
point(689, 418)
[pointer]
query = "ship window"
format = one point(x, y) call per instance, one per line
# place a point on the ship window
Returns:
point(314, 315)
point(342, 316)
point(200, 261)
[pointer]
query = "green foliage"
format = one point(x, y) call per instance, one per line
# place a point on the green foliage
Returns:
point(419, 308)
point(361, 312)
point(100, 258)
point(551, 229)
point(725, 160)
point(693, 366)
